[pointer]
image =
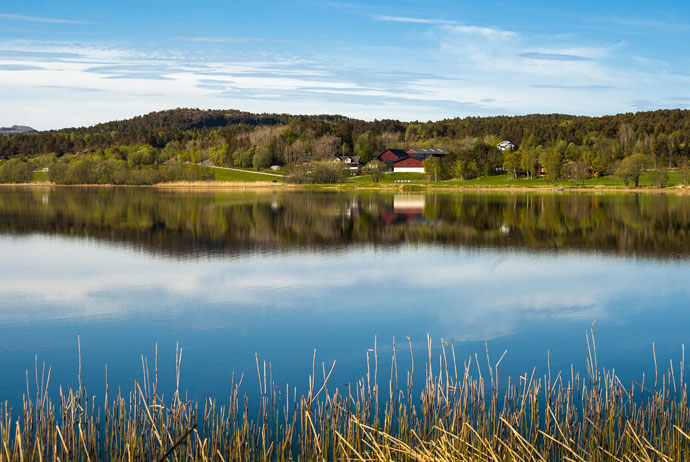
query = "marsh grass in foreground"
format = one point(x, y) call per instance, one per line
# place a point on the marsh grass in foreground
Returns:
point(454, 417)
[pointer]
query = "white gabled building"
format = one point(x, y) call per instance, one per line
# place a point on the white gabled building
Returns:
point(505, 146)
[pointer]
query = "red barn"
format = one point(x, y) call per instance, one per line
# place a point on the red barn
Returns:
point(409, 164)
point(391, 156)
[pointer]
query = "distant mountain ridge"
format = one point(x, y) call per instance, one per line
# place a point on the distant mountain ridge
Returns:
point(16, 130)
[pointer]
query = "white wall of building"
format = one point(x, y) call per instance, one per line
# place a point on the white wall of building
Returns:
point(408, 169)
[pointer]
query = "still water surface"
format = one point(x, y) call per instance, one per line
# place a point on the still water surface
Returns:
point(279, 274)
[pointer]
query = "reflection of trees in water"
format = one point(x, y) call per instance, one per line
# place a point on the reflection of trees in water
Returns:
point(182, 223)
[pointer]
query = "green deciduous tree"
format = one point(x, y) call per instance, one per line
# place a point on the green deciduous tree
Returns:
point(529, 161)
point(16, 171)
point(145, 155)
point(553, 165)
point(243, 157)
point(512, 161)
point(631, 169)
point(465, 170)
point(684, 171)
point(376, 169)
point(220, 156)
point(262, 158)
point(364, 147)
point(432, 167)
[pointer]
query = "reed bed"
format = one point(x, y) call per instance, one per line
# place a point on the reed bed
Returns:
point(453, 416)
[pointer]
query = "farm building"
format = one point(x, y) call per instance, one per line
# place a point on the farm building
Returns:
point(409, 165)
point(426, 153)
point(391, 156)
point(505, 146)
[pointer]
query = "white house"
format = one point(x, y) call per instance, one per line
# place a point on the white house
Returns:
point(505, 146)
point(353, 162)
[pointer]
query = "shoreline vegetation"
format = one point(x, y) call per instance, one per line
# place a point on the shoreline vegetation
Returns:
point(386, 415)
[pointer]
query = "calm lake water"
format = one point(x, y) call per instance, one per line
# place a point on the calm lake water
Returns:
point(230, 274)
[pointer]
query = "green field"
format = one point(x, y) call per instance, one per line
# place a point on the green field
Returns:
point(41, 176)
point(388, 178)
point(505, 181)
point(246, 175)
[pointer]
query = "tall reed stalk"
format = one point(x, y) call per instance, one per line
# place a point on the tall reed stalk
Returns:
point(454, 416)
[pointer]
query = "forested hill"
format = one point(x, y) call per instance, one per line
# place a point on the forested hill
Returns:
point(234, 129)
point(194, 119)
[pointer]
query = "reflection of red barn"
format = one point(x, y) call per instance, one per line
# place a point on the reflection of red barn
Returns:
point(409, 217)
point(410, 164)
point(407, 208)
point(389, 217)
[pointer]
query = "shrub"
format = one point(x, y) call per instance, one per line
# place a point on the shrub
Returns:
point(329, 172)
point(376, 169)
point(16, 171)
point(319, 173)
point(659, 177)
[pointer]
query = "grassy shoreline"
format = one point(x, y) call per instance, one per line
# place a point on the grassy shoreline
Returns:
point(406, 187)
point(235, 178)
point(453, 416)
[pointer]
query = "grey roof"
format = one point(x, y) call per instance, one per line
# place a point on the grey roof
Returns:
point(427, 151)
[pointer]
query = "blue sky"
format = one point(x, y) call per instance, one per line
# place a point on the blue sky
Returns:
point(78, 63)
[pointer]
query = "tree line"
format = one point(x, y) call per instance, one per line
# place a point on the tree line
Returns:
point(561, 144)
point(120, 165)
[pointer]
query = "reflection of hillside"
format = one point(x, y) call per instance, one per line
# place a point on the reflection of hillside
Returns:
point(233, 223)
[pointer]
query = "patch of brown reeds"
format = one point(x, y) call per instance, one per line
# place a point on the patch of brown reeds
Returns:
point(455, 417)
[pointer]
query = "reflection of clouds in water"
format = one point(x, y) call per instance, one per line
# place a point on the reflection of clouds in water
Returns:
point(68, 278)
point(486, 300)
point(490, 319)
point(463, 295)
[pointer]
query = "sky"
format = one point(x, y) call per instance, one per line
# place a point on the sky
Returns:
point(76, 63)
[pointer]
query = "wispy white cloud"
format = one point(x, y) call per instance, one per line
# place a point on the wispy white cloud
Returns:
point(21, 17)
point(553, 56)
point(647, 23)
point(491, 33)
point(409, 20)
point(456, 69)
point(210, 39)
